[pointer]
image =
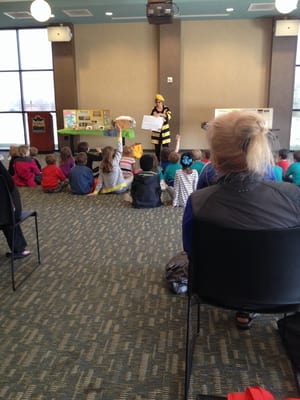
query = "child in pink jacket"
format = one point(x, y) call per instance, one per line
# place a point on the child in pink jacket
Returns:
point(25, 168)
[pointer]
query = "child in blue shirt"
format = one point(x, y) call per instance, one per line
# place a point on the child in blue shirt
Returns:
point(81, 177)
point(145, 189)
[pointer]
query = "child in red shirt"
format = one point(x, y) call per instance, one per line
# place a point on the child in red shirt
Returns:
point(283, 160)
point(53, 180)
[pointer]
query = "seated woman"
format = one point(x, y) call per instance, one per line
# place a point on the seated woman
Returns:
point(242, 197)
point(20, 242)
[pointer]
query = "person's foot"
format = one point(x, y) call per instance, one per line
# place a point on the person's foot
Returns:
point(127, 197)
point(243, 320)
point(24, 253)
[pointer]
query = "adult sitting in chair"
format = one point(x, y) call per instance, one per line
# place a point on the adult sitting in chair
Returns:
point(242, 198)
point(19, 250)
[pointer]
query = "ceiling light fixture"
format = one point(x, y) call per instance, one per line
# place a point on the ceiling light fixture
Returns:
point(40, 10)
point(286, 6)
point(109, 13)
point(229, 9)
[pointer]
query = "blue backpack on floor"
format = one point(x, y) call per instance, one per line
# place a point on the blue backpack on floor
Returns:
point(176, 273)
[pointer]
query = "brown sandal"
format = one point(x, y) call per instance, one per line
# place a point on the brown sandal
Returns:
point(247, 319)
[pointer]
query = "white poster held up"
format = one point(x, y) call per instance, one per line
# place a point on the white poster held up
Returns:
point(152, 123)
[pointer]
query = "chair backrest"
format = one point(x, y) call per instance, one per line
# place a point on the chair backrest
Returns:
point(7, 216)
point(241, 269)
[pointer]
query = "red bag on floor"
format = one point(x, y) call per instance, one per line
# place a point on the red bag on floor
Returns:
point(255, 393)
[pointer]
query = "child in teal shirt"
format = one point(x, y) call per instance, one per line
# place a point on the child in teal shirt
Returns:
point(293, 170)
point(197, 163)
point(172, 167)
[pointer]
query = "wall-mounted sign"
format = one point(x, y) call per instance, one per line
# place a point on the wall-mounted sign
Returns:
point(38, 124)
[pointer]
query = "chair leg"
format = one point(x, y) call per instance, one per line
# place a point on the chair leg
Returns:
point(188, 356)
point(37, 238)
point(190, 342)
point(12, 255)
point(198, 318)
point(12, 272)
point(12, 267)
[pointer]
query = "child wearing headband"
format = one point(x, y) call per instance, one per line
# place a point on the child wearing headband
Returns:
point(186, 180)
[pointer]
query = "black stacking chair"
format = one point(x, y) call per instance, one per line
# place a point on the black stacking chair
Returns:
point(241, 270)
point(11, 221)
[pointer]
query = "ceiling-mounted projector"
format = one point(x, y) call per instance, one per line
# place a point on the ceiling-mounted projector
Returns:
point(160, 12)
point(59, 34)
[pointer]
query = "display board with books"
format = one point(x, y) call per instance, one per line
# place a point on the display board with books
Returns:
point(87, 119)
point(95, 122)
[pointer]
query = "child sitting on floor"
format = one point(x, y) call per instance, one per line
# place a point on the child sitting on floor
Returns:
point(293, 171)
point(197, 163)
point(13, 154)
point(25, 168)
point(145, 189)
point(169, 176)
point(92, 156)
point(66, 160)
point(33, 152)
point(127, 162)
point(53, 180)
point(111, 179)
point(171, 169)
point(205, 156)
point(283, 160)
point(164, 156)
point(81, 177)
point(185, 182)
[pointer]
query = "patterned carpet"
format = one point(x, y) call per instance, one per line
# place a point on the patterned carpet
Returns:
point(96, 321)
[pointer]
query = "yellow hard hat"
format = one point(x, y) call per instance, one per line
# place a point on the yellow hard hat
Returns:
point(159, 97)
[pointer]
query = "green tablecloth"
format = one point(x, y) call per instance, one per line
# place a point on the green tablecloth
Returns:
point(126, 133)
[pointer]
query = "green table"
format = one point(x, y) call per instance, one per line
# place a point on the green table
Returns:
point(126, 133)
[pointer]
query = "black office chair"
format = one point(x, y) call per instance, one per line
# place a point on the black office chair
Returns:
point(252, 271)
point(10, 221)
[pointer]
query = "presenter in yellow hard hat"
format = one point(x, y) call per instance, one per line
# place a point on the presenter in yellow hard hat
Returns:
point(162, 137)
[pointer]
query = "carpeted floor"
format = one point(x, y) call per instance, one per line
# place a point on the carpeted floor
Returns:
point(96, 321)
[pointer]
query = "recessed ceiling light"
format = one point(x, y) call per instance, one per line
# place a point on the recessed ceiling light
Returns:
point(230, 9)
point(109, 13)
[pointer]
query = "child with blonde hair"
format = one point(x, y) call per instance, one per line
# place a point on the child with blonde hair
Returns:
point(127, 162)
point(25, 168)
point(33, 152)
point(197, 163)
point(111, 179)
point(13, 154)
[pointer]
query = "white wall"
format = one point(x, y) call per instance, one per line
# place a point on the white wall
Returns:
point(223, 64)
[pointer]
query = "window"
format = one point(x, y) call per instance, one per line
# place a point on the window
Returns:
point(295, 126)
point(26, 81)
